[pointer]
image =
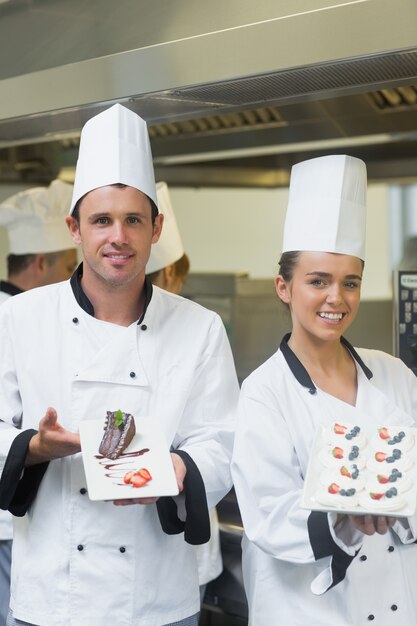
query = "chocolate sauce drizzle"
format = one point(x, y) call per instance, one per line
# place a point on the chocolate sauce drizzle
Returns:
point(118, 468)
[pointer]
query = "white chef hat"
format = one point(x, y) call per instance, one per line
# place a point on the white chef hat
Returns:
point(114, 148)
point(35, 219)
point(327, 206)
point(168, 248)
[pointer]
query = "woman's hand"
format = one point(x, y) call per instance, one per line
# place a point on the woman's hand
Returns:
point(371, 524)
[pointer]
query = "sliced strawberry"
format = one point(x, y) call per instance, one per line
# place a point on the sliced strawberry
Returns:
point(145, 473)
point(138, 481)
point(345, 472)
point(380, 456)
point(376, 496)
point(339, 429)
point(383, 433)
point(333, 488)
point(382, 479)
point(337, 452)
point(128, 477)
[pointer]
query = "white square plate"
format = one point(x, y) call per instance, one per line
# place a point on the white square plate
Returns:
point(316, 482)
point(105, 476)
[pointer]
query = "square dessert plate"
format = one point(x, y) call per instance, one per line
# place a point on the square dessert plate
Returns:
point(148, 449)
point(315, 484)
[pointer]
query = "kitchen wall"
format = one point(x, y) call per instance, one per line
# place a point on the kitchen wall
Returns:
point(240, 230)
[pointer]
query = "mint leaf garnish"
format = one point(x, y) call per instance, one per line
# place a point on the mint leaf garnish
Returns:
point(119, 418)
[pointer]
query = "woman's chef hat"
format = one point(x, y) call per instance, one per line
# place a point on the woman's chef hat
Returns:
point(168, 248)
point(327, 206)
point(35, 219)
point(114, 148)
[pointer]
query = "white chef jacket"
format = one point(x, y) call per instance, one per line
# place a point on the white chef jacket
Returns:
point(6, 526)
point(291, 556)
point(82, 562)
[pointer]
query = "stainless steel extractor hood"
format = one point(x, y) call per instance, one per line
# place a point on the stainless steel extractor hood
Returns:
point(297, 71)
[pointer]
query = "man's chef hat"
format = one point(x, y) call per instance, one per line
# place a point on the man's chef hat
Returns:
point(114, 148)
point(327, 206)
point(35, 219)
point(168, 248)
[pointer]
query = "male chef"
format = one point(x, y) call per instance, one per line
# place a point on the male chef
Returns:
point(41, 252)
point(106, 340)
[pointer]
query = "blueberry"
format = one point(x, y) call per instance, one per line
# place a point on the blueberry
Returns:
point(356, 429)
point(348, 436)
point(390, 459)
point(392, 478)
point(351, 491)
point(396, 453)
point(351, 456)
point(355, 474)
point(398, 474)
point(388, 494)
point(356, 448)
point(402, 434)
point(342, 492)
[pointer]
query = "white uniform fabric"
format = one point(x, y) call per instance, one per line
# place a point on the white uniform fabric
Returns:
point(277, 421)
point(4, 296)
point(6, 528)
point(209, 555)
point(81, 366)
point(6, 534)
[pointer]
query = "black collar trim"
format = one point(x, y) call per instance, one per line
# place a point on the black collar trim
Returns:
point(300, 372)
point(9, 288)
point(85, 303)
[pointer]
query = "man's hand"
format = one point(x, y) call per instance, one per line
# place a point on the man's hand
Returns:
point(180, 472)
point(371, 524)
point(52, 441)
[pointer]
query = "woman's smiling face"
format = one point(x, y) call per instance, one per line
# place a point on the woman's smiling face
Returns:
point(323, 294)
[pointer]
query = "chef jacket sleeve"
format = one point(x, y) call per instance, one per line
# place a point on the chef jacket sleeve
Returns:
point(206, 429)
point(269, 482)
point(18, 485)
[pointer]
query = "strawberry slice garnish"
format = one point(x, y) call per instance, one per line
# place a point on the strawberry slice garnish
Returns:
point(333, 488)
point(138, 481)
point(376, 496)
point(382, 479)
point(339, 429)
point(345, 472)
point(145, 473)
point(128, 477)
point(337, 452)
point(383, 433)
point(380, 456)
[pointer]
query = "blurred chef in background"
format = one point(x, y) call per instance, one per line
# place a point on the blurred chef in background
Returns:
point(167, 268)
point(41, 253)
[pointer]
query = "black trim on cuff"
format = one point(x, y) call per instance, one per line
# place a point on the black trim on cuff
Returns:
point(196, 527)
point(322, 544)
point(17, 491)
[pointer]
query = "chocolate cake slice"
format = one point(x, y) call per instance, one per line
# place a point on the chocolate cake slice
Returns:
point(119, 431)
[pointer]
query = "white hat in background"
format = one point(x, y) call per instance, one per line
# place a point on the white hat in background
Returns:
point(114, 148)
point(327, 206)
point(168, 248)
point(35, 219)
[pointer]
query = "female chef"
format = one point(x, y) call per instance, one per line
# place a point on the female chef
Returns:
point(306, 567)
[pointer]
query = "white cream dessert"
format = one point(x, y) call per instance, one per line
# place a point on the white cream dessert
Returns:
point(340, 434)
point(389, 437)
